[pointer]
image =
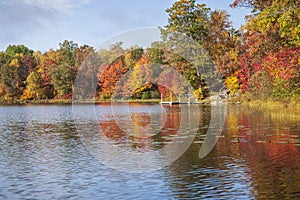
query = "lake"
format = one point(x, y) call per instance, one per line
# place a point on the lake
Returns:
point(47, 153)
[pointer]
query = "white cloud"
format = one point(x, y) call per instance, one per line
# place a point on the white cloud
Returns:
point(42, 24)
point(23, 19)
point(61, 6)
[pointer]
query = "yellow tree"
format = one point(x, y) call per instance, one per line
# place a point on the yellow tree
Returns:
point(34, 87)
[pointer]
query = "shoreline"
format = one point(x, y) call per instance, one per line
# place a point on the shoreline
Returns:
point(70, 101)
point(207, 101)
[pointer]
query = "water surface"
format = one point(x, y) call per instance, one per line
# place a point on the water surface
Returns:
point(42, 156)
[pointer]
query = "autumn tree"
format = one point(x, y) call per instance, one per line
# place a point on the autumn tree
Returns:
point(47, 61)
point(132, 55)
point(271, 39)
point(87, 63)
point(214, 33)
point(16, 64)
point(34, 87)
point(110, 77)
point(81, 54)
point(171, 84)
point(140, 78)
point(115, 62)
point(223, 43)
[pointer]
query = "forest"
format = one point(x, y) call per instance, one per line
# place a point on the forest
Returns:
point(258, 61)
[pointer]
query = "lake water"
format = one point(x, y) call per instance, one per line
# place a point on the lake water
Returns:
point(43, 156)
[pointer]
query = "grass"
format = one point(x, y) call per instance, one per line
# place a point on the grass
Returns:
point(294, 102)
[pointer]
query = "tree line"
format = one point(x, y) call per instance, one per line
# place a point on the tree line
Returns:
point(260, 60)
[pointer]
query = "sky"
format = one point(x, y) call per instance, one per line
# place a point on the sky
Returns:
point(42, 24)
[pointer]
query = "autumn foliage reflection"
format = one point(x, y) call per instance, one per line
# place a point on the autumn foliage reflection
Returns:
point(145, 134)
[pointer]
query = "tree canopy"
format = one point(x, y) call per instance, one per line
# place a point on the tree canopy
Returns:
point(260, 60)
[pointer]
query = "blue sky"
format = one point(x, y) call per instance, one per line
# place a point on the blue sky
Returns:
point(42, 24)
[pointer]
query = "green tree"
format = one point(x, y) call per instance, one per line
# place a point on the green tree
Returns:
point(61, 68)
point(13, 50)
point(8, 82)
point(155, 54)
point(62, 78)
point(110, 55)
point(187, 17)
point(68, 51)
